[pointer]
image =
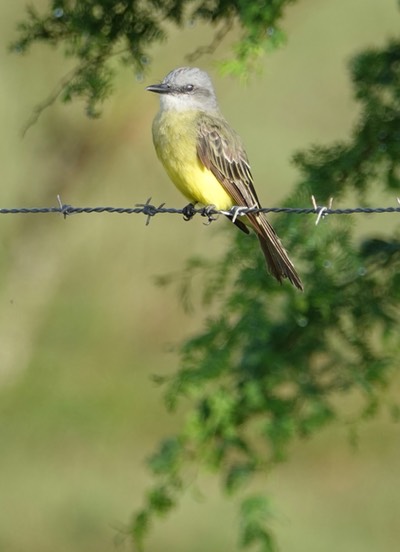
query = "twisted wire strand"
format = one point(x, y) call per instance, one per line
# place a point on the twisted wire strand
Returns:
point(151, 210)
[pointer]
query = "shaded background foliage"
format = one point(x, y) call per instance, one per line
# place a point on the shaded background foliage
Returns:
point(266, 367)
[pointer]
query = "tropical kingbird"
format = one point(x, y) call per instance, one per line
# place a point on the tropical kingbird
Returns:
point(205, 158)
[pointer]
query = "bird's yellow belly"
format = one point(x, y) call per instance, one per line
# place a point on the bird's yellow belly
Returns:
point(196, 182)
point(176, 148)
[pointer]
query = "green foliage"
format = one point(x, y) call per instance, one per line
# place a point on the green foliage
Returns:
point(94, 32)
point(254, 512)
point(374, 153)
point(270, 365)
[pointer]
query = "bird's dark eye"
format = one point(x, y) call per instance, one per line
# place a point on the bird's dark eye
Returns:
point(189, 87)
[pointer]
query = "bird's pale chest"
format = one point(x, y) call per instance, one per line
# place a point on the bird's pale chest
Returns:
point(175, 141)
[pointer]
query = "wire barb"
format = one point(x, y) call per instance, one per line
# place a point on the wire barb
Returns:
point(238, 211)
point(149, 210)
point(322, 211)
point(65, 210)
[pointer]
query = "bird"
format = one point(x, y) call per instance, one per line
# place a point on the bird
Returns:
point(206, 160)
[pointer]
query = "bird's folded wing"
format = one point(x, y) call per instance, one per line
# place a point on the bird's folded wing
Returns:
point(220, 149)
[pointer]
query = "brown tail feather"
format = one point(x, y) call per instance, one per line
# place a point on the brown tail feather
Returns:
point(277, 259)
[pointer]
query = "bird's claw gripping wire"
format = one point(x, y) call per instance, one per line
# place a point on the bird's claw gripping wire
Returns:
point(321, 211)
point(149, 210)
point(209, 211)
point(188, 211)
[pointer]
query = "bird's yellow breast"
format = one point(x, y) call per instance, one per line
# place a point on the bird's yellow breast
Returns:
point(175, 141)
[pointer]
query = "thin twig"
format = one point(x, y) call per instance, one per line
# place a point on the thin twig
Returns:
point(216, 41)
point(50, 99)
point(63, 82)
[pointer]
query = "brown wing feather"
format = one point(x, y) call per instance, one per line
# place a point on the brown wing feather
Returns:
point(221, 151)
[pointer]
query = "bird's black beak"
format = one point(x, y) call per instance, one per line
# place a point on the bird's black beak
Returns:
point(159, 88)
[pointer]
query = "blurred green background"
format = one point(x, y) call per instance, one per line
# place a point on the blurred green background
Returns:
point(83, 325)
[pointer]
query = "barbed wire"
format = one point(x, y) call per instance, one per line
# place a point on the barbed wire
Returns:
point(210, 212)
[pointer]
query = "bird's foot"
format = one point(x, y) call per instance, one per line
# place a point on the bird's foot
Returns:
point(209, 212)
point(188, 211)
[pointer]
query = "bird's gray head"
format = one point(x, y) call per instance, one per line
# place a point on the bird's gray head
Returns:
point(186, 88)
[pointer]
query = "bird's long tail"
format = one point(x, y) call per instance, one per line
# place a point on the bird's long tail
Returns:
point(278, 261)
